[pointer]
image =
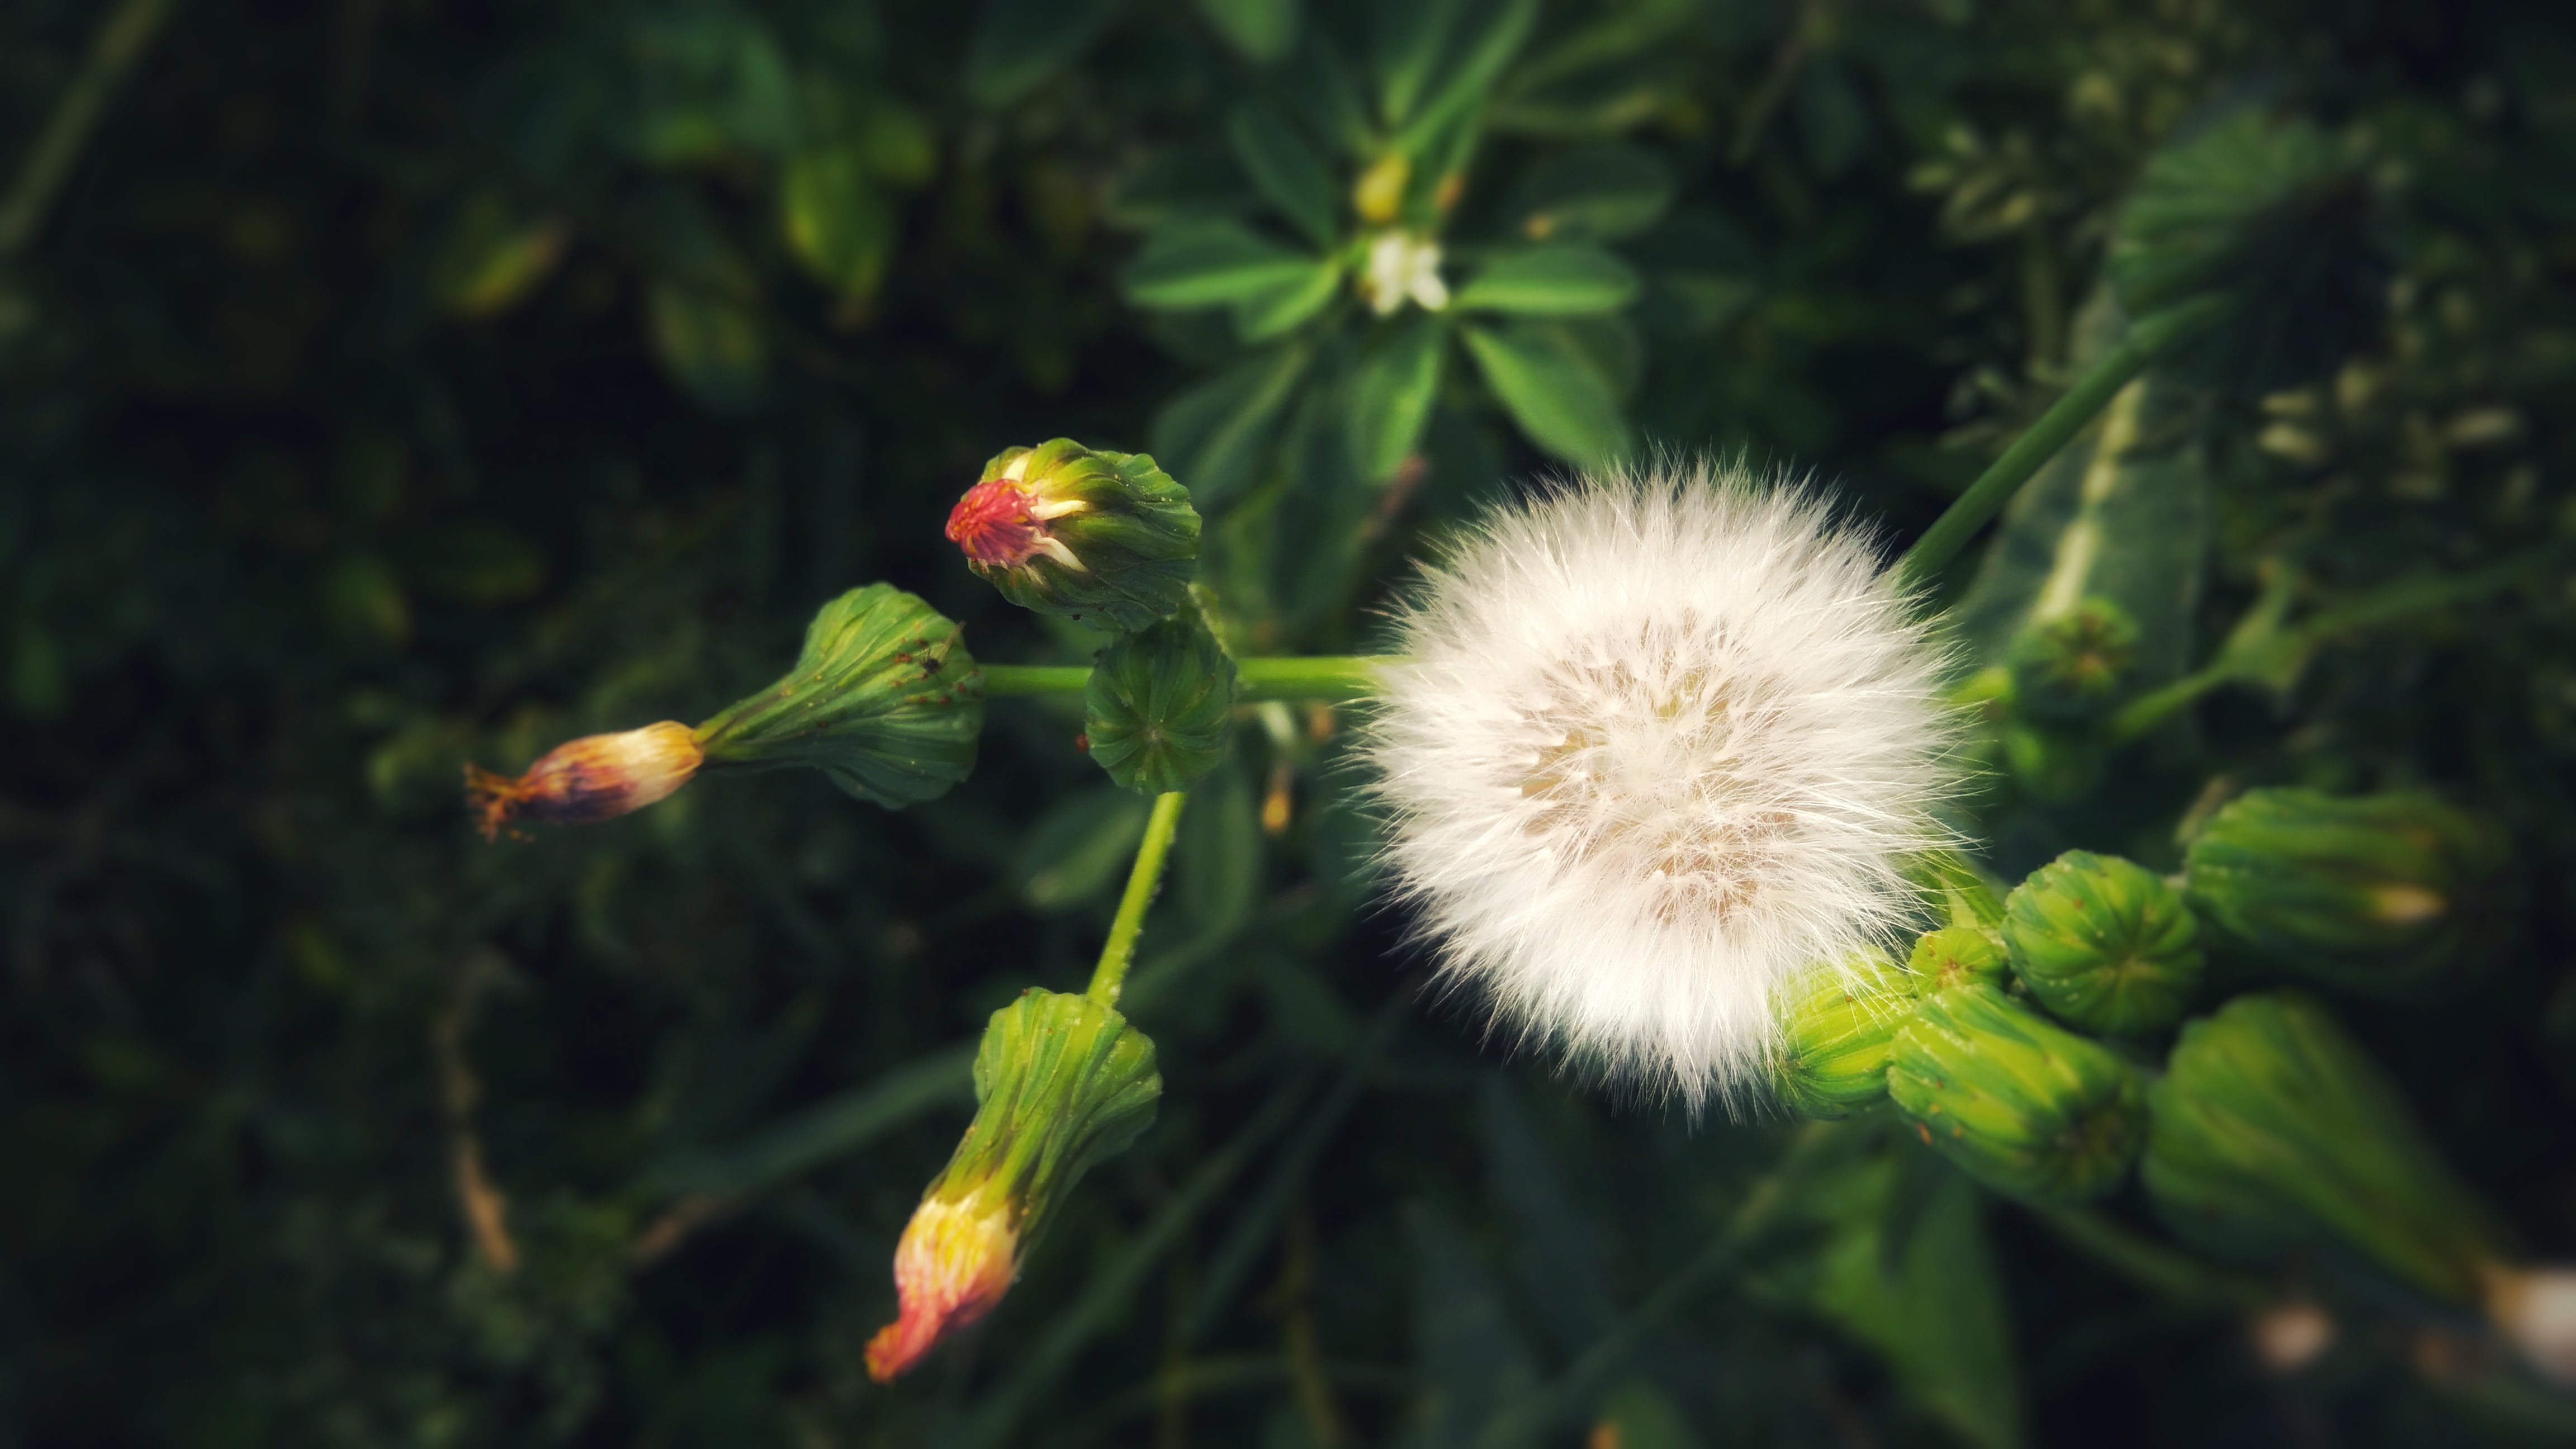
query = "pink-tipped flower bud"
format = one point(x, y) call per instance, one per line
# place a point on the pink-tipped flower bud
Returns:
point(954, 1263)
point(1107, 538)
point(596, 777)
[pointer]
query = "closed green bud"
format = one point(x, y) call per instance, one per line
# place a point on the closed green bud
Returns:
point(1957, 956)
point(1160, 705)
point(2022, 1105)
point(2075, 666)
point(2370, 891)
point(884, 699)
point(1061, 1082)
point(2104, 943)
point(1107, 538)
point(2273, 1133)
point(1835, 1036)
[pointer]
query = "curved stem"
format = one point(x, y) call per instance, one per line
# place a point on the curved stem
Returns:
point(1335, 677)
point(2056, 427)
point(121, 42)
point(1120, 949)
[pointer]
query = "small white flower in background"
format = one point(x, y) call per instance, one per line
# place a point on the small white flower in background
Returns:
point(1657, 749)
point(1401, 265)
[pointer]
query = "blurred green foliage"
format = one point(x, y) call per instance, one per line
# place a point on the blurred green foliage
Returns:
point(387, 384)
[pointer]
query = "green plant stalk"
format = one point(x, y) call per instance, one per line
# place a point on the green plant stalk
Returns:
point(2147, 339)
point(1340, 678)
point(121, 41)
point(1120, 949)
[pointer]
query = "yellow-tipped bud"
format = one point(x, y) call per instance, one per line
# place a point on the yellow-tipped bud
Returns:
point(596, 777)
point(954, 1263)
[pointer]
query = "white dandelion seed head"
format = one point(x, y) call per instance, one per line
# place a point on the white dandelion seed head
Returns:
point(1657, 748)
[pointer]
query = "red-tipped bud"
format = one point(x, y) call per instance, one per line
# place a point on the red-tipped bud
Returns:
point(1107, 538)
point(954, 1263)
point(1001, 524)
point(596, 777)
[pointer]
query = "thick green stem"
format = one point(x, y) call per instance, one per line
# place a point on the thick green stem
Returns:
point(1111, 973)
point(1335, 677)
point(2055, 429)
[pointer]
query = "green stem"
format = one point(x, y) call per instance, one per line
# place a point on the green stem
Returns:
point(1120, 950)
point(2056, 427)
point(1336, 677)
point(121, 41)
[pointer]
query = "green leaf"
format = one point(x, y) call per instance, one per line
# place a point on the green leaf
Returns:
point(1592, 193)
point(1497, 37)
point(1263, 30)
point(1557, 280)
point(834, 1127)
point(1291, 176)
point(2122, 515)
point(1281, 309)
point(1410, 41)
point(1019, 44)
point(1208, 262)
point(1215, 438)
point(1553, 390)
point(1079, 846)
point(1392, 395)
point(1216, 862)
point(837, 222)
point(712, 345)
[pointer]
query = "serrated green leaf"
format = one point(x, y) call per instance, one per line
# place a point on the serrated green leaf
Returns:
point(1287, 170)
point(1019, 44)
point(1393, 392)
point(1558, 280)
point(1211, 262)
point(1553, 390)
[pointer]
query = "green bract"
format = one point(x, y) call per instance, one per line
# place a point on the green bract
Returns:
point(2104, 943)
point(1061, 1082)
point(1063, 529)
point(884, 699)
point(2075, 665)
point(2021, 1105)
point(1957, 956)
point(1159, 706)
point(1835, 1038)
point(1956, 891)
point(2369, 891)
point(2272, 1132)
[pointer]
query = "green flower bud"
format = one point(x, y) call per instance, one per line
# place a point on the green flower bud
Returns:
point(1835, 1037)
point(2103, 943)
point(2026, 1107)
point(2272, 1133)
point(1104, 537)
point(884, 699)
point(2075, 666)
point(2373, 891)
point(1061, 1082)
point(1159, 706)
point(1957, 956)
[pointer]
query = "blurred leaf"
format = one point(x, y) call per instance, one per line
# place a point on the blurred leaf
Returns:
point(1287, 170)
point(363, 600)
point(1215, 436)
point(1553, 389)
point(1641, 1416)
point(1471, 1360)
point(1019, 44)
point(474, 562)
point(1393, 393)
point(1264, 30)
point(1931, 1305)
point(708, 82)
point(1079, 847)
point(1556, 1248)
point(1208, 262)
point(1261, 318)
point(1494, 36)
point(1216, 861)
point(494, 258)
point(836, 221)
point(1557, 280)
point(834, 1127)
point(712, 346)
point(1592, 193)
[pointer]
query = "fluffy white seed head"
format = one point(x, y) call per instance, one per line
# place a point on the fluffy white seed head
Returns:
point(1657, 749)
